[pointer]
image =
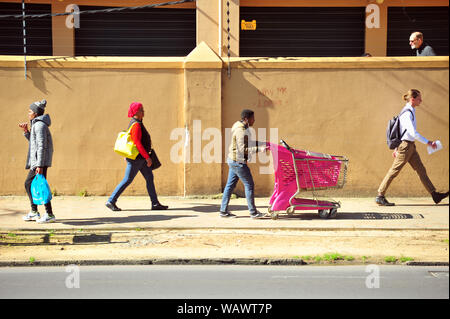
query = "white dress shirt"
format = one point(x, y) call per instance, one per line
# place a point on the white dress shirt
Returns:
point(408, 123)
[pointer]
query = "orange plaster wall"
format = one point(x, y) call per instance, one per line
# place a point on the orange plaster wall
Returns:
point(88, 108)
point(343, 112)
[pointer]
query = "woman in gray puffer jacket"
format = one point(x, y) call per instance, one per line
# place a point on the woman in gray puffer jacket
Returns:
point(40, 153)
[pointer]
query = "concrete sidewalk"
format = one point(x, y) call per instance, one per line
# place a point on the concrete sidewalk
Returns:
point(90, 213)
point(191, 231)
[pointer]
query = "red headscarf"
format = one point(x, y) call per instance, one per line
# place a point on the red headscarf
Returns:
point(134, 107)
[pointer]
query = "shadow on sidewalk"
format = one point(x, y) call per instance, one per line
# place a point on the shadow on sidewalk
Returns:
point(117, 220)
point(214, 208)
point(419, 205)
point(353, 216)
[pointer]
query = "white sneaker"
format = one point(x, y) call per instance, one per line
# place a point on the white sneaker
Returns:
point(46, 219)
point(31, 216)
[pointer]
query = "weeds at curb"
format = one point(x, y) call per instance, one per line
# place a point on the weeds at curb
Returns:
point(364, 258)
point(349, 258)
point(306, 258)
point(83, 193)
point(390, 259)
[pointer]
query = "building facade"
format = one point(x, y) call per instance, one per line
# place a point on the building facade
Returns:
point(196, 65)
point(281, 27)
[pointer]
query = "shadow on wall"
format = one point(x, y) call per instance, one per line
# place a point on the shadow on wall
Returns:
point(439, 90)
point(37, 76)
point(250, 97)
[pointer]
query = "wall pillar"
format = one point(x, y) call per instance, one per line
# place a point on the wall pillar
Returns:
point(230, 10)
point(376, 38)
point(208, 23)
point(63, 38)
point(202, 115)
point(212, 25)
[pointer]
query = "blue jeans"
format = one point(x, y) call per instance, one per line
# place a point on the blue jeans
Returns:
point(133, 167)
point(238, 171)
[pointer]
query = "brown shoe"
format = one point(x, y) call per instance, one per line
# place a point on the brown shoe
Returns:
point(382, 201)
point(437, 197)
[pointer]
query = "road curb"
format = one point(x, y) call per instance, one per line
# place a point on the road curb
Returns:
point(201, 261)
point(164, 261)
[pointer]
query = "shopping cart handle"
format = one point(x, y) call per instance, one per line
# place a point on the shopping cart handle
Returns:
point(285, 145)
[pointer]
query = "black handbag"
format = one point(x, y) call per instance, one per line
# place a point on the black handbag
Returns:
point(155, 161)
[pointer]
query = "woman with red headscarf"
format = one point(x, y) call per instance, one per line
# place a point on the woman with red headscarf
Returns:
point(142, 163)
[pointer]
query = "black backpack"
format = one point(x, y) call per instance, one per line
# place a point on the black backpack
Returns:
point(393, 135)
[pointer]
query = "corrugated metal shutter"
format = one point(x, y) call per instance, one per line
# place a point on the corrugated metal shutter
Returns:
point(431, 21)
point(145, 32)
point(303, 31)
point(38, 30)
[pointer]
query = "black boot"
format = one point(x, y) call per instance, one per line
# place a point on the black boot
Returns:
point(382, 201)
point(159, 207)
point(437, 197)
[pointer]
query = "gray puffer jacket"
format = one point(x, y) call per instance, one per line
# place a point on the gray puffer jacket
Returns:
point(40, 151)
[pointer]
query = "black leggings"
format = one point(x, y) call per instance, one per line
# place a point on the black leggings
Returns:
point(28, 181)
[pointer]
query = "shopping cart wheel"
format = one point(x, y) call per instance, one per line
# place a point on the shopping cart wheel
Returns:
point(333, 213)
point(271, 213)
point(323, 213)
point(290, 210)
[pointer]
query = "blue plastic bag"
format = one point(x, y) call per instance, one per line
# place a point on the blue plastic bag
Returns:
point(40, 190)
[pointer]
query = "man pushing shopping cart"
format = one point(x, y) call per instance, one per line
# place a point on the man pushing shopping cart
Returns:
point(295, 171)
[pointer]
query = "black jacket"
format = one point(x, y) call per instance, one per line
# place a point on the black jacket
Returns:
point(145, 139)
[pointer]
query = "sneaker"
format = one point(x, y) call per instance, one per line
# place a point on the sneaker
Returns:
point(159, 207)
point(227, 215)
point(256, 215)
point(112, 206)
point(382, 201)
point(31, 216)
point(437, 197)
point(46, 219)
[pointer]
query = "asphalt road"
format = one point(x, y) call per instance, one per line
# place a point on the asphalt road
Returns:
point(224, 282)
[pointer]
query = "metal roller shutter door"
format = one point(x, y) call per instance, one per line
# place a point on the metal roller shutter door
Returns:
point(431, 21)
point(303, 31)
point(144, 32)
point(38, 30)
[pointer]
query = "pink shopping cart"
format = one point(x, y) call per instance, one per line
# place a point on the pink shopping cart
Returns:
point(311, 172)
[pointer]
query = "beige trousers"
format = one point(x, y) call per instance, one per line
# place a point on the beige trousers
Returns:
point(406, 153)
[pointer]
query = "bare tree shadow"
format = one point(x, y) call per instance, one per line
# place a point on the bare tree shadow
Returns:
point(117, 220)
point(211, 208)
point(147, 209)
point(419, 205)
point(12, 212)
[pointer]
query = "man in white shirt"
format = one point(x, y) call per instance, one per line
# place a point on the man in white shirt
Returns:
point(406, 152)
